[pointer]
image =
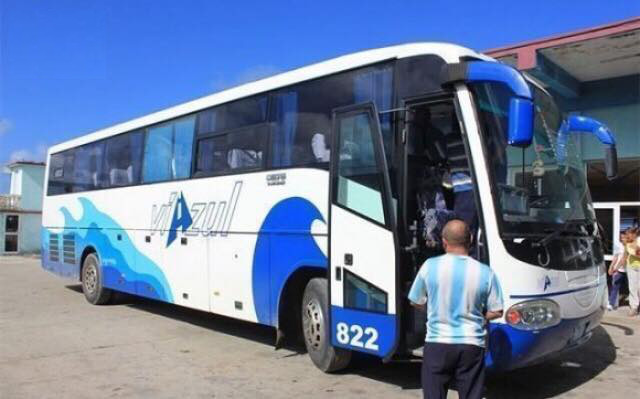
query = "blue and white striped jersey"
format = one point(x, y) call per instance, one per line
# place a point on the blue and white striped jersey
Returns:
point(457, 290)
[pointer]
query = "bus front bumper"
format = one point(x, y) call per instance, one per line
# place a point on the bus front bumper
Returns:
point(511, 348)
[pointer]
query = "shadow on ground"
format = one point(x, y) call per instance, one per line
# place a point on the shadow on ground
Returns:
point(552, 378)
point(557, 376)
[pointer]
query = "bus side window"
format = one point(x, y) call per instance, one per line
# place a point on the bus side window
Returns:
point(122, 160)
point(61, 173)
point(167, 151)
point(87, 167)
point(235, 151)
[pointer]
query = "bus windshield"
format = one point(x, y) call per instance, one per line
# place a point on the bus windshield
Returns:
point(536, 190)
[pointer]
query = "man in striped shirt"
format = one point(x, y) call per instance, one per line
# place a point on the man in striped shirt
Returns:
point(461, 295)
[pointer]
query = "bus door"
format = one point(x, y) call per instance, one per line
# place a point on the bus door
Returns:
point(362, 247)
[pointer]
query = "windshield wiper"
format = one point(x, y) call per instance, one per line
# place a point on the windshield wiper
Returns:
point(558, 233)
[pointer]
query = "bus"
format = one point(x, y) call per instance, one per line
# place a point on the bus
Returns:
point(307, 201)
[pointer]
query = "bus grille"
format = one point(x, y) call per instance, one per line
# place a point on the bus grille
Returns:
point(54, 247)
point(69, 248)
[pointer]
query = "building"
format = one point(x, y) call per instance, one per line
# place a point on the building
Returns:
point(21, 209)
point(595, 72)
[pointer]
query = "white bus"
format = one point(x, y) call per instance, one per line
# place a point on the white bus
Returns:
point(307, 201)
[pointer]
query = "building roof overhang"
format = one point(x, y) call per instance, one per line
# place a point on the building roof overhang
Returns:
point(565, 61)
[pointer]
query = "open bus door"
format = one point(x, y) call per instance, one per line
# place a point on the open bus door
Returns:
point(362, 242)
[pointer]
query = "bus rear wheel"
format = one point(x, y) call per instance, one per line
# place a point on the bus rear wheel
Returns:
point(92, 287)
point(316, 331)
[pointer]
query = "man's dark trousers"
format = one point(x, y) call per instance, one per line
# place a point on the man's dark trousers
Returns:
point(461, 364)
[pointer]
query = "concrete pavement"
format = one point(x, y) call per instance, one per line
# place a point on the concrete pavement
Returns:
point(53, 344)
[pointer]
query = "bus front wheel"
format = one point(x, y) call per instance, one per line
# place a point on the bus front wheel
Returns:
point(315, 328)
point(92, 287)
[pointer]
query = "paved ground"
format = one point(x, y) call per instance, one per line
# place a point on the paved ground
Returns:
point(53, 344)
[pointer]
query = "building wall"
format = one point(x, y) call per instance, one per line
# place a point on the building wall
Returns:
point(29, 241)
point(16, 181)
point(27, 182)
point(31, 187)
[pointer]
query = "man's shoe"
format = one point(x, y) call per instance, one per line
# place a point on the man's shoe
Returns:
point(633, 312)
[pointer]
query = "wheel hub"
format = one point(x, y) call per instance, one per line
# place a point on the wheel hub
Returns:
point(313, 321)
point(90, 277)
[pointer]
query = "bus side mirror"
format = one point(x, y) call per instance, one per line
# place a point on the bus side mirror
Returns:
point(583, 124)
point(611, 162)
point(521, 119)
point(521, 113)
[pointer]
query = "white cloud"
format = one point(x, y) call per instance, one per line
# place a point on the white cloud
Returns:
point(257, 72)
point(37, 154)
point(5, 125)
point(250, 74)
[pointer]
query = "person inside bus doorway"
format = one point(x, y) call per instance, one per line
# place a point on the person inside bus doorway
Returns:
point(459, 179)
point(461, 295)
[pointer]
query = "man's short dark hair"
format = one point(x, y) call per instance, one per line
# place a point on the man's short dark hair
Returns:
point(457, 233)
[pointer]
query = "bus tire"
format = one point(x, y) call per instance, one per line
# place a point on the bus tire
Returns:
point(316, 329)
point(92, 287)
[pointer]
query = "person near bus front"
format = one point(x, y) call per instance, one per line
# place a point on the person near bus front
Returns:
point(632, 247)
point(461, 295)
point(617, 271)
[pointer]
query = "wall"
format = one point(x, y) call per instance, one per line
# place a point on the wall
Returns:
point(29, 240)
point(16, 181)
point(32, 183)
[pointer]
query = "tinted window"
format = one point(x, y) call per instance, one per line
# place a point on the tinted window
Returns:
point(167, 151)
point(245, 112)
point(182, 147)
point(61, 173)
point(87, 167)
point(302, 114)
point(238, 150)
point(360, 294)
point(123, 159)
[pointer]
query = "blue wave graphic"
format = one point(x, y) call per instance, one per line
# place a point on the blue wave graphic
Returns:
point(284, 244)
point(124, 267)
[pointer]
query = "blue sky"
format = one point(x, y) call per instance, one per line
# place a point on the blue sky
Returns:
point(68, 67)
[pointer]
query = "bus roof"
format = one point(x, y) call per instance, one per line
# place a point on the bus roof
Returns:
point(449, 52)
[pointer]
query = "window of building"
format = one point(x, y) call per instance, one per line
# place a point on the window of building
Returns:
point(11, 224)
point(123, 160)
point(167, 151)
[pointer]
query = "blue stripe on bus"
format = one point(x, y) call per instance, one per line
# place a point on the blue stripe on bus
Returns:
point(123, 266)
point(554, 293)
point(277, 256)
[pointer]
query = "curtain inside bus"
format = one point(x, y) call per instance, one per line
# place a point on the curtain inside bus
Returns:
point(286, 110)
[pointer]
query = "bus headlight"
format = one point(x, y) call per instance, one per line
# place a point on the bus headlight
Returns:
point(533, 315)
